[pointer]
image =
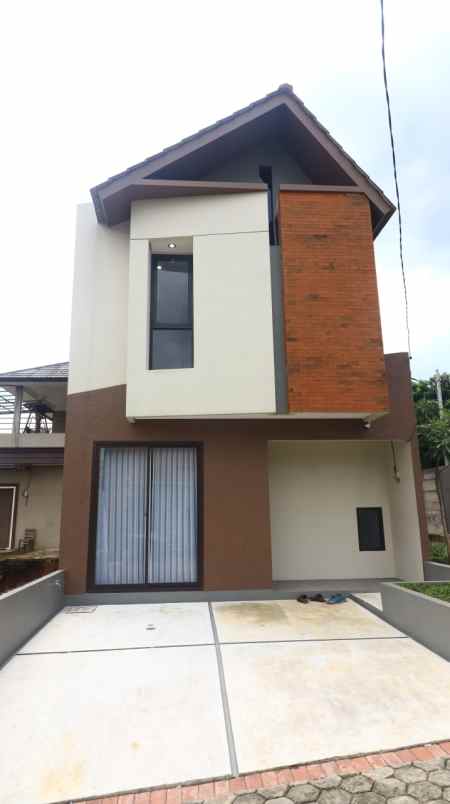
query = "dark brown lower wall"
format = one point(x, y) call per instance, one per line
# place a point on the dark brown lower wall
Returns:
point(236, 516)
point(236, 521)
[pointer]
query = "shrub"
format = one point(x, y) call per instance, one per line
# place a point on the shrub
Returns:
point(439, 552)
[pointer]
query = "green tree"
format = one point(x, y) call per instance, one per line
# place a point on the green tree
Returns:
point(433, 431)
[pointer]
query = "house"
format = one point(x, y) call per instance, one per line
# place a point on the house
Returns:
point(32, 427)
point(231, 417)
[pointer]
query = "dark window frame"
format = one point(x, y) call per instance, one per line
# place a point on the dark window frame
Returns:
point(359, 516)
point(91, 584)
point(155, 325)
point(16, 487)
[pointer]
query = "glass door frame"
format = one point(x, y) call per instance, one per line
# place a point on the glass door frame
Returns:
point(92, 586)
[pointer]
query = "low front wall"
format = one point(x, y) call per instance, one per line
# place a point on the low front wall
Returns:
point(424, 618)
point(434, 571)
point(23, 611)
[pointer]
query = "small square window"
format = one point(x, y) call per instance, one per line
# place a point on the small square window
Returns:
point(370, 529)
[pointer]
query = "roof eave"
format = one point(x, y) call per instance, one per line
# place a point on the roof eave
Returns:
point(283, 96)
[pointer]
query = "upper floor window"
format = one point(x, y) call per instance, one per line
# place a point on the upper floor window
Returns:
point(171, 335)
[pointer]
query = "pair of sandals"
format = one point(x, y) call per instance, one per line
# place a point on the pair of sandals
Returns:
point(338, 597)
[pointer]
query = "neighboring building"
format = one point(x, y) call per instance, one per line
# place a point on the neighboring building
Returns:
point(32, 426)
point(231, 417)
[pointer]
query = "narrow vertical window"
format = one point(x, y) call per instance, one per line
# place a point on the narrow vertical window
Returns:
point(171, 332)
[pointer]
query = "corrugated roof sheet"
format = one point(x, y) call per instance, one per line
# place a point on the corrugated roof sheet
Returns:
point(53, 371)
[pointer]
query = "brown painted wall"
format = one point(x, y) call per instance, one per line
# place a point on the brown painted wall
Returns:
point(334, 349)
point(236, 527)
point(236, 522)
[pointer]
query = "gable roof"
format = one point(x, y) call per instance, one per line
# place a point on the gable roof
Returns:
point(50, 373)
point(189, 159)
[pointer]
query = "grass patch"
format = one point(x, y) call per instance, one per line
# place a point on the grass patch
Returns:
point(439, 552)
point(439, 590)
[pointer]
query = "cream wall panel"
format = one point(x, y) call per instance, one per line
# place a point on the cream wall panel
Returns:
point(405, 518)
point(99, 308)
point(233, 369)
point(198, 215)
point(42, 509)
point(315, 488)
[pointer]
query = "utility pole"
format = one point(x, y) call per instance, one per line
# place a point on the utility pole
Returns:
point(437, 379)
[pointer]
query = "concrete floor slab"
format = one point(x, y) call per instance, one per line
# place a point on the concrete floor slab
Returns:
point(88, 724)
point(372, 598)
point(133, 626)
point(286, 619)
point(297, 702)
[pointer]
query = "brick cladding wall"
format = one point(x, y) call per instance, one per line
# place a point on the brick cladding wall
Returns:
point(334, 349)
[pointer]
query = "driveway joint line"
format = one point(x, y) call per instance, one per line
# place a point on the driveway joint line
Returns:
point(224, 695)
point(206, 645)
point(114, 650)
point(325, 639)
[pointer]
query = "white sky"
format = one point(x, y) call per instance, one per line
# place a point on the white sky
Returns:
point(90, 87)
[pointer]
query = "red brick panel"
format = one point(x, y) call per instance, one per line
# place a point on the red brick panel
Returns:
point(334, 350)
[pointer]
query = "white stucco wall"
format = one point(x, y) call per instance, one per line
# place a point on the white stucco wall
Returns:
point(315, 488)
point(404, 516)
point(42, 508)
point(233, 370)
point(100, 304)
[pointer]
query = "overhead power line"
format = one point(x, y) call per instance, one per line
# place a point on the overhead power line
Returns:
point(394, 163)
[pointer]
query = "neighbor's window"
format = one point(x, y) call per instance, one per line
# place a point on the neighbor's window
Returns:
point(370, 529)
point(171, 344)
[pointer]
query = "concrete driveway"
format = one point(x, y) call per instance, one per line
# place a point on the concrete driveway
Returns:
point(119, 698)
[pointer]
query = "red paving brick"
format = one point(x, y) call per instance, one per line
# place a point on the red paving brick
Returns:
point(329, 768)
point(300, 774)
point(376, 760)
point(158, 796)
point(189, 793)
point(238, 785)
point(253, 780)
point(221, 788)
point(437, 751)
point(393, 759)
point(285, 776)
point(421, 752)
point(314, 771)
point(142, 798)
point(174, 795)
point(206, 790)
point(269, 778)
point(362, 764)
point(406, 755)
point(295, 775)
point(346, 766)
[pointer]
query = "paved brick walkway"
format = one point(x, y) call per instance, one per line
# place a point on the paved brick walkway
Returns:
point(406, 776)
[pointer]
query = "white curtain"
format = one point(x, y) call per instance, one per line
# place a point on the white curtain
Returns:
point(121, 529)
point(172, 556)
point(147, 516)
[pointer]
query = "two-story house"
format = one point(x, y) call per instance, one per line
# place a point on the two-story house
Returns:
point(231, 417)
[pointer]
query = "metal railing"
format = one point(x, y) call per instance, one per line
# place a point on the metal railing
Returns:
point(35, 415)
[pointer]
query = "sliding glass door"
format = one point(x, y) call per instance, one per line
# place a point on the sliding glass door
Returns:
point(147, 516)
